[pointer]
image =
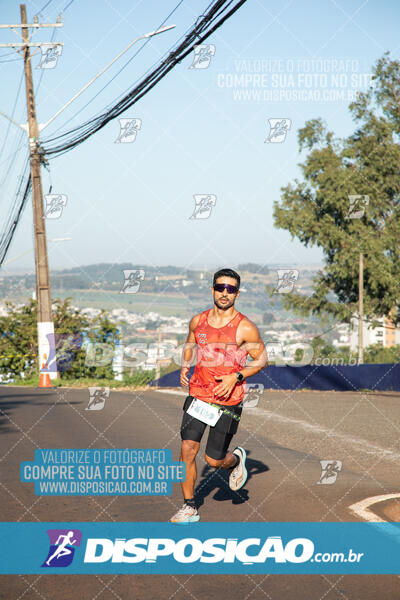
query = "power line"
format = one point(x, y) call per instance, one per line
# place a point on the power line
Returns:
point(7, 53)
point(42, 73)
point(12, 116)
point(44, 7)
point(44, 318)
point(49, 2)
point(12, 154)
point(67, 6)
point(15, 213)
point(120, 70)
point(201, 30)
point(20, 198)
point(10, 60)
point(20, 139)
point(215, 15)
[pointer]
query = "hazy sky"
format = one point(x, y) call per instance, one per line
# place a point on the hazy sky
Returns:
point(203, 131)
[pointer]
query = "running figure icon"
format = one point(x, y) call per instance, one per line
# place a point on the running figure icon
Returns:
point(62, 549)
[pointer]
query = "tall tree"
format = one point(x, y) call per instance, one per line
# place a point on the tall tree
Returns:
point(348, 203)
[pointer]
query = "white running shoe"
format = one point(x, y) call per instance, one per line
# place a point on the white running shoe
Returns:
point(238, 476)
point(185, 515)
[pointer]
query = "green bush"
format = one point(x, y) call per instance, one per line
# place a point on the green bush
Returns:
point(19, 345)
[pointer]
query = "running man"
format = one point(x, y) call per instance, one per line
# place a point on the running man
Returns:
point(62, 549)
point(223, 338)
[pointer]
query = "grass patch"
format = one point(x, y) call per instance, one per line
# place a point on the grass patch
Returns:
point(139, 379)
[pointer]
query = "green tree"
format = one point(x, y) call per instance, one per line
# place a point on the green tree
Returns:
point(376, 353)
point(73, 331)
point(321, 348)
point(18, 340)
point(317, 209)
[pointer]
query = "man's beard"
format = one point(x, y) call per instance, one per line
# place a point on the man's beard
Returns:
point(225, 306)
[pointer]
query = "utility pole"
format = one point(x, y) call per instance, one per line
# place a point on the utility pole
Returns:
point(46, 338)
point(158, 354)
point(360, 309)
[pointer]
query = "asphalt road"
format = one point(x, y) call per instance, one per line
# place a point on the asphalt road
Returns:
point(286, 437)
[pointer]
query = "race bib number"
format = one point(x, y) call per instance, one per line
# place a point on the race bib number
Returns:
point(204, 412)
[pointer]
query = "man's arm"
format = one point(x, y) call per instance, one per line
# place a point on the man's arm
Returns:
point(189, 351)
point(255, 347)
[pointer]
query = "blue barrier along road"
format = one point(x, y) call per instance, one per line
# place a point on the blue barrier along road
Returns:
point(341, 378)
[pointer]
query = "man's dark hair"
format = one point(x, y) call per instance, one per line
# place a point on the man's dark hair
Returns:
point(227, 273)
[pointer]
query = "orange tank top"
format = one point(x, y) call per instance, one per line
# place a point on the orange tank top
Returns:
point(217, 354)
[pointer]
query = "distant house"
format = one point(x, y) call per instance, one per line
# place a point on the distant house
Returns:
point(385, 334)
point(343, 335)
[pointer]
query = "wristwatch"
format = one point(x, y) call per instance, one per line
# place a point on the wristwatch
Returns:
point(239, 376)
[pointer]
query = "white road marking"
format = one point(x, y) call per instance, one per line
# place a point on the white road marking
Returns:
point(361, 444)
point(361, 509)
point(364, 445)
point(174, 392)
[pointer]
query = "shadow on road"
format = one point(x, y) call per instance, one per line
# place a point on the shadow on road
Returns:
point(7, 407)
point(11, 402)
point(217, 480)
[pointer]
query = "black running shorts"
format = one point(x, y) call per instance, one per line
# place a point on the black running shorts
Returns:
point(219, 436)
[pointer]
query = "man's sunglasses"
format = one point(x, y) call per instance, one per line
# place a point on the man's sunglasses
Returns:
point(220, 287)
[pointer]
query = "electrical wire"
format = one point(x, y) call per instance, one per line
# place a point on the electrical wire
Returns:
point(44, 7)
point(217, 13)
point(8, 170)
point(15, 212)
point(7, 53)
point(9, 122)
point(67, 6)
point(49, 2)
point(53, 35)
point(24, 185)
point(120, 71)
point(11, 60)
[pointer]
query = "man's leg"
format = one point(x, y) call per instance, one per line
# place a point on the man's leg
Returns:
point(228, 462)
point(189, 450)
point(218, 456)
point(191, 433)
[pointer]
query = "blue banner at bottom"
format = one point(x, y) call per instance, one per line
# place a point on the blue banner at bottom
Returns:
point(212, 548)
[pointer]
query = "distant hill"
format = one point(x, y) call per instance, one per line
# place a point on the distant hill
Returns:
point(112, 271)
point(253, 268)
point(110, 276)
